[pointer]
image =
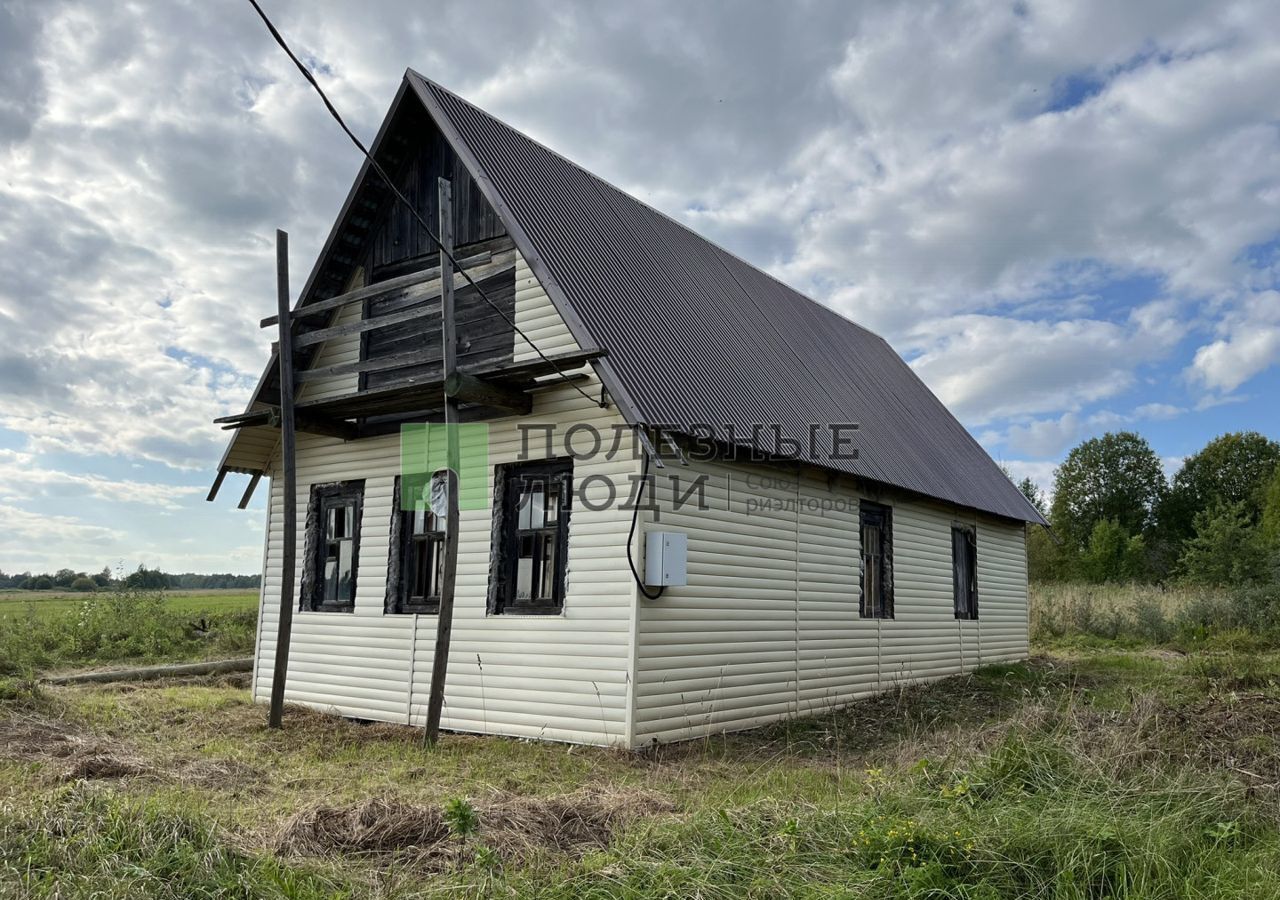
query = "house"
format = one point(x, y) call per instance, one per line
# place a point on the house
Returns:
point(825, 527)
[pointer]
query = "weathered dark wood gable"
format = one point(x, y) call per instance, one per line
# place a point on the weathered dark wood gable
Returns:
point(377, 239)
point(379, 257)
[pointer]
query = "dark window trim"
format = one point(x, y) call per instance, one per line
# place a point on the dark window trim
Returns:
point(395, 602)
point(871, 514)
point(311, 593)
point(503, 555)
point(965, 607)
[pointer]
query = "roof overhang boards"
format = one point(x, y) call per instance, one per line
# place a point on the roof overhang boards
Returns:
point(504, 389)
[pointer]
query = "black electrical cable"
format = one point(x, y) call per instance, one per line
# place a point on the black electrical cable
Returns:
point(635, 515)
point(306, 73)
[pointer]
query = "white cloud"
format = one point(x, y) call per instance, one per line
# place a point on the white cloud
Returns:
point(928, 169)
point(1040, 471)
point(987, 368)
point(23, 480)
point(1249, 344)
point(1158, 411)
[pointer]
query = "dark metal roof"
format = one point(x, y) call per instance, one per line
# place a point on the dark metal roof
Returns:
point(696, 336)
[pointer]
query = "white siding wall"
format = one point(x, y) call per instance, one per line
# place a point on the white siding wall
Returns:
point(768, 625)
point(562, 677)
point(537, 317)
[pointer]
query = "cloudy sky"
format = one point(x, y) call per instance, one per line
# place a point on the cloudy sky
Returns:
point(1064, 214)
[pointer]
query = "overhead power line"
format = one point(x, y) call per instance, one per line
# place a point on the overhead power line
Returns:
point(373, 163)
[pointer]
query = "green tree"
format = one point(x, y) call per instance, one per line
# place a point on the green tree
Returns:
point(64, 577)
point(1225, 549)
point(145, 579)
point(1113, 554)
point(103, 578)
point(1116, 478)
point(1048, 558)
point(1231, 470)
point(84, 584)
point(1034, 495)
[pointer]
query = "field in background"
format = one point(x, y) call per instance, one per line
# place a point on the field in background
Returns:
point(193, 601)
point(1179, 618)
point(52, 631)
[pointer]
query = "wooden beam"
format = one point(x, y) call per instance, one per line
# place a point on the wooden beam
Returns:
point(248, 491)
point(381, 364)
point(414, 394)
point(326, 427)
point(470, 389)
point(217, 483)
point(289, 551)
point(534, 368)
point(321, 307)
point(426, 309)
point(449, 577)
point(346, 329)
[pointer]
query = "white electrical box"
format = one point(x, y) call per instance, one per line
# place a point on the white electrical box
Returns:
point(666, 559)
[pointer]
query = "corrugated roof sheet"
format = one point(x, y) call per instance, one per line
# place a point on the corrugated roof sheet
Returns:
point(696, 336)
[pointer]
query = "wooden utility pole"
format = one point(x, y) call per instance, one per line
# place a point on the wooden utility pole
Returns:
point(290, 548)
point(449, 343)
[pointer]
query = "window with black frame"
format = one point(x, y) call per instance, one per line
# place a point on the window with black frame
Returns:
point(417, 548)
point(964, 571)
point(332, 546)
point(875, 522)
point(531, 536)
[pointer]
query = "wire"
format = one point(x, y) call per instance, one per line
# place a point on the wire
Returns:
point(635, 515)
point(306, 73)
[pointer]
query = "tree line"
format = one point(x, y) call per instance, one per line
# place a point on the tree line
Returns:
point(1116, 517)
point(140, 579)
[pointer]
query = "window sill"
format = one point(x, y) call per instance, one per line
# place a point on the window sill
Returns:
point(527, 613)
point(330, 609)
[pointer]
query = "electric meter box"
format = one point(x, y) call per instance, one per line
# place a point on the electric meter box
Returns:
point(666, 559)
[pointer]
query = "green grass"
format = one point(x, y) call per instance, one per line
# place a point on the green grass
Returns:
point(1139, 759)
point(1092, 617)
point(1085, 775)
point(124, 628)
point(48, 603)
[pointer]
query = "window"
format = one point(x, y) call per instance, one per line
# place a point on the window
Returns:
point(332, 546)
point(531, 537)
point(964, 570)
point(876, 527)
point(416, 563)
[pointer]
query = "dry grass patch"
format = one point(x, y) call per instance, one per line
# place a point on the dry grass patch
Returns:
point(514, 828)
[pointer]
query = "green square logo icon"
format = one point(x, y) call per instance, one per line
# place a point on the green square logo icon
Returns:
point(424, 450)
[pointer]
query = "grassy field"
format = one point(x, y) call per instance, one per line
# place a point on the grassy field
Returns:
point(1091, 771)
point(107, 628)
point(1116, 774)
point(48, 603)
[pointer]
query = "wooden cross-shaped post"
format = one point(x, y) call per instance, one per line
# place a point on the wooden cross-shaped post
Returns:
point(449, 343)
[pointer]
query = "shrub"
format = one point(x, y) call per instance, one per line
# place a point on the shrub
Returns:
point(1112, 555)
point(84, 585)
point(1150, 615)
point(1226, 549)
